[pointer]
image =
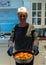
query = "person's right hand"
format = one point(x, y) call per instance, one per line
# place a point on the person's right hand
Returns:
point(10, 51)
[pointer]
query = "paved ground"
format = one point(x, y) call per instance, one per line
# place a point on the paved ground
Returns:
point(40, 59)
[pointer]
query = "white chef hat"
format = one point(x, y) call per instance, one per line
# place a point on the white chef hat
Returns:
point(22, 9)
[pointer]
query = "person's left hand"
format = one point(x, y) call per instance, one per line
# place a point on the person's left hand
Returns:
point(35, 50)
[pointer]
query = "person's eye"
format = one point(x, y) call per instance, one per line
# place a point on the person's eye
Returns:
point(22, 15)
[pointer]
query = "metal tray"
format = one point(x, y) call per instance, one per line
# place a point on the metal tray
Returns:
point(23, 61)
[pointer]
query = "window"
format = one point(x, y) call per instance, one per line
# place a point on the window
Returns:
point(34, 6)
point(45, 21)
point(45, 13)
point(39, 6)
point(36, 13)
point(45, 6)
point(34, 21)
point(39, 17)
point(39, 14)
point(39, 21)
point(33, 14)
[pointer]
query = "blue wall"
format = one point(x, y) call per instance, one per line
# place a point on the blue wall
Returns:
point(8, 18)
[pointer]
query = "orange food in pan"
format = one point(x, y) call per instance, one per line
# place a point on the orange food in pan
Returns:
point(23, 55)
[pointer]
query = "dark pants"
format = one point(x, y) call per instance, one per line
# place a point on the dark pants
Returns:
point(31, 63)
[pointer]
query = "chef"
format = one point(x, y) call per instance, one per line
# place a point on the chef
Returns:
point(24, 35)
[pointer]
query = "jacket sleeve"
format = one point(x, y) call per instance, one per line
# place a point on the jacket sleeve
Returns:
point(35, 34)
point(36, 40)
point(31, 31)
point(12, 38)
point(11, 41)
point(36, 44)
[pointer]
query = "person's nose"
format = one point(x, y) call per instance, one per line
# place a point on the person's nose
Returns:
point(22, 17)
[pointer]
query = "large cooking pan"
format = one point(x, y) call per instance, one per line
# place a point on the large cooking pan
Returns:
point(23, 60)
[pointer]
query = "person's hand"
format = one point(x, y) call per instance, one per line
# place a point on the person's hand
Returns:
point(35, 49)
point(10, 51)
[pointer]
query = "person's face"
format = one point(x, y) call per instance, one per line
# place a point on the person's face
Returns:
point(22, 16)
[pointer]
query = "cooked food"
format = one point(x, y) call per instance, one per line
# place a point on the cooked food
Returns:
point(23, 55)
